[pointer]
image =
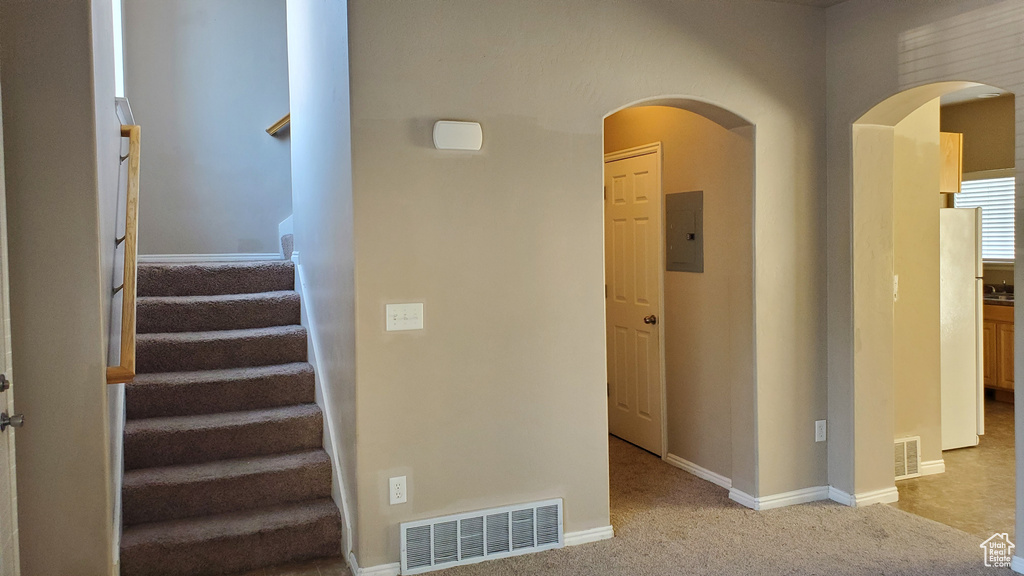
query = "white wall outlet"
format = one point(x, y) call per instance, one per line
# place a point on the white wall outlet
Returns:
point(404, 316)
point(895, 287)
point(820, 430)
point(396, 490)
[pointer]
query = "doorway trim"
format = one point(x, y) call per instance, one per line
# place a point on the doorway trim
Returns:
point(636, 151)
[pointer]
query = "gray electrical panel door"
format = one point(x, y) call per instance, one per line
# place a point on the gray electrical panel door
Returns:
point(684, 232)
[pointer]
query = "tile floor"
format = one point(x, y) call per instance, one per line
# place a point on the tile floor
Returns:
point(976, 493)
point(327, 567)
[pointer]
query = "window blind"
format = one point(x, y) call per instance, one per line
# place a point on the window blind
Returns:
point(995, 198)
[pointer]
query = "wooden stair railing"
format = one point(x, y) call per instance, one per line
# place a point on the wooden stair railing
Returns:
point(125, 372)
point(280, 124)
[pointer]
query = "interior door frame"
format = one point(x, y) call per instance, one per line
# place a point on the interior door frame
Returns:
point(10, 551)
point(643, 150)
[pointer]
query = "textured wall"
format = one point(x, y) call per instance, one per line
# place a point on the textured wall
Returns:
point(501, 398)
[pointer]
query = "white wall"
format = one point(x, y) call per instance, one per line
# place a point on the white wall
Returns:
point(205, 79)
point(57, 76)
point(322, 196)
point(501, 398)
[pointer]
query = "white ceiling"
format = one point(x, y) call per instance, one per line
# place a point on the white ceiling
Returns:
point(821, 3)
point(970, 94)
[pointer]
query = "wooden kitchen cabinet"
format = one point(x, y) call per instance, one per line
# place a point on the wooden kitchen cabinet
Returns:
point(1004, 356)
point(951, 147)
point(998, 346)
point(989, 328)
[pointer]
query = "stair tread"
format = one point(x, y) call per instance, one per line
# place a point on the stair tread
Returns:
point(245, 296)
point(214, 335)
point(198, 422)
point(185, 278)
point(217, 265)
point(232, 524)
point(167, 394)
point(222, 469)
point(219, 375)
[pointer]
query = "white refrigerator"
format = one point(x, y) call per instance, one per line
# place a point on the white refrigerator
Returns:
point(960, 303)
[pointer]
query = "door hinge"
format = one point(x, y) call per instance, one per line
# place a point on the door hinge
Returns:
point(605, 291)
point(609, 384)
point(605, 192)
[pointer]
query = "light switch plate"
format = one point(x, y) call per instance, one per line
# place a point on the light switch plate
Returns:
point(404, 316)
point(820, 430)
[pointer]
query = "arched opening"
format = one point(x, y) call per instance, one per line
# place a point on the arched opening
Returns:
point(679, 252)
point(919, 356)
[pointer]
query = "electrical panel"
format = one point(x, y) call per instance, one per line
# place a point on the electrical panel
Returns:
point(684, 232)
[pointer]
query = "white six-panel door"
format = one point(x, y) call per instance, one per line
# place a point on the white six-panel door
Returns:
point(633, 261)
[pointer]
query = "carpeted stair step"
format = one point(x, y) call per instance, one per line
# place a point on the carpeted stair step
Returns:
point(154, 442)
point(234, 542)
point(218, 312)
point(207, 278)
point(190, 351)
point(158, 494)
point(212, 391)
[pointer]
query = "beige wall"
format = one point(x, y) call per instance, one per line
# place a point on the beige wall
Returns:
point(205, 79)
point(501, 398)
point(56, 111)
point(988, 129)
point(322, 197)
point(709, 317)
point(917, 394)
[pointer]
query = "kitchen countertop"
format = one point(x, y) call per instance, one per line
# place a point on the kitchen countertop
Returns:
point(998, 300)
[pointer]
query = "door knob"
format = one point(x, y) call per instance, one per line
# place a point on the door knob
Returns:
point(652, 319)
point(16, 421)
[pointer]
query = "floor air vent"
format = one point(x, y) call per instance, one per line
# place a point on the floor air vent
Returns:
point(483, 535)
point(907, 457)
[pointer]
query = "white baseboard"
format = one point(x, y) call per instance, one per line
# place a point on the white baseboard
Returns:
point(588, 536)
point(883, 496)
point(1017, 564)
point(179, 258)
point(932, 467)
point(393, 569)
point(781, 500)
point(698, 471)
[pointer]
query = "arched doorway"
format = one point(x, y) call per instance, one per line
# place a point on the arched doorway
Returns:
point(700, 157)
point(897, 350)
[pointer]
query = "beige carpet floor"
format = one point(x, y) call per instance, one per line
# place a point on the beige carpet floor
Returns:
point(669, 522)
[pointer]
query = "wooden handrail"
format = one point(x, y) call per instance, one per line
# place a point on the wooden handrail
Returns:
point(125, 372)
point(280, 124)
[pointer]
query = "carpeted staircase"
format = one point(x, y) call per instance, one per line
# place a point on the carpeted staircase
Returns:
point(224, 466)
